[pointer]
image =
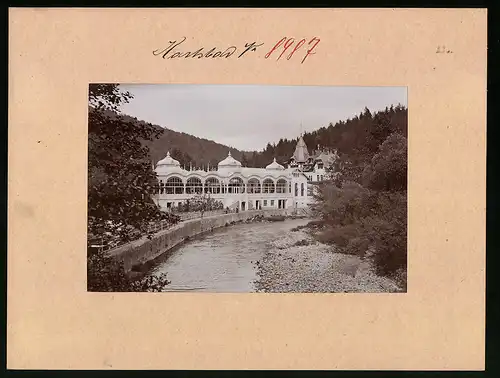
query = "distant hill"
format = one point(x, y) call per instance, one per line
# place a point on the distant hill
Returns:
point(199, 151)
point(349, 137)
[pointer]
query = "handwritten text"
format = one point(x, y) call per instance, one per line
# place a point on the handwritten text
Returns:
point(284, 47)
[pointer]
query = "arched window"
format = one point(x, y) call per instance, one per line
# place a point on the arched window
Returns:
point(296, 189)
point(162, 187)
point(281, 186)
point(212, 185)
point(268, 186)
point(253, 186)
point(174, 185)
point(236, 185)
point(194, 185)
point(302, 189)
point(289, 187)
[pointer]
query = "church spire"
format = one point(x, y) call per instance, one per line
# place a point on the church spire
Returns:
point(301, 153)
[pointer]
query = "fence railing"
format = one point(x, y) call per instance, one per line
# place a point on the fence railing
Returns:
point(103, 245)
point(199, 214)
point(160, 226)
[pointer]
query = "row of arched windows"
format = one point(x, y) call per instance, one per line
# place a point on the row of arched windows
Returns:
point(194, 185)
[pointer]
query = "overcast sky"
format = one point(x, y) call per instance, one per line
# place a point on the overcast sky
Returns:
point(247, 117)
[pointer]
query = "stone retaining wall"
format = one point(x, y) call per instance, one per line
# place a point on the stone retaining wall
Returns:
point(143, 251)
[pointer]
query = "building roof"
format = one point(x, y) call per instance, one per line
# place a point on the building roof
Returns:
point(322, 156)
point(168, 161)
point(301, 153)
point(275, 166)
point(229, 161)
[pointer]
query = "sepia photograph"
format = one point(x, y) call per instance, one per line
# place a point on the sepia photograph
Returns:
point(270, 196)
point(247, 188)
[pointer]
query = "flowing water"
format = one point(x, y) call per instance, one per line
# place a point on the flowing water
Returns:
point(224, 260)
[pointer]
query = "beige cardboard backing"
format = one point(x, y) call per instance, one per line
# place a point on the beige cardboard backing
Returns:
point(54, 323)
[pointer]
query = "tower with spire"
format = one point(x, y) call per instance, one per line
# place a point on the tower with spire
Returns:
point(301, 155)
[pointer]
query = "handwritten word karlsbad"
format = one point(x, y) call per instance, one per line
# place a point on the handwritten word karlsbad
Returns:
point(284, 47)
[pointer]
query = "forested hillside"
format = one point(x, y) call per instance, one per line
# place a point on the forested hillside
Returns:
point(348, 137)
point(183, 147)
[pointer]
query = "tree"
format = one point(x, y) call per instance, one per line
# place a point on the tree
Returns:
point(244, 161)
point(121, 179)
point(367, 113)
point(255, 159)
point(388, 168)
point(379, 131)
point(177, 155)
point(121, 183)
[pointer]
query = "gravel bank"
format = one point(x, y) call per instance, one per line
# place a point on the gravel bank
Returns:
point(315, 268)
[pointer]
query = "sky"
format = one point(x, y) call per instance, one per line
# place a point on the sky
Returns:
point(247, 117)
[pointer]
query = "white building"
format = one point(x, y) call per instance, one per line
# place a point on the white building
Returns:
point(240, 187)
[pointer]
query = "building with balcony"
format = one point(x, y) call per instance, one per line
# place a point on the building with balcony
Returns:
point(242, 188)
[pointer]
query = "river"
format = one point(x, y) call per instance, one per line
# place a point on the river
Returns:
point(223, 261)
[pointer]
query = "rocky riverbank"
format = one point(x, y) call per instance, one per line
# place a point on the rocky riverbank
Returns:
point(297, 263)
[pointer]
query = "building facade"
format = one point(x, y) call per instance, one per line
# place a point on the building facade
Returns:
point(243, 188)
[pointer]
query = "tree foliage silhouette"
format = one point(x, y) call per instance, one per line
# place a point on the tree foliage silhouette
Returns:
point(121, 182)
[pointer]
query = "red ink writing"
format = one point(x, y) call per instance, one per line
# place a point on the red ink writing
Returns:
point(275, 47)
point(297, 46)
point(286, 46)
point(310, 51)
point(285, 43)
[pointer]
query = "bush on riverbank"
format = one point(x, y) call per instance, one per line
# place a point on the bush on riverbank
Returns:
point(369, 212)
point(303, 242)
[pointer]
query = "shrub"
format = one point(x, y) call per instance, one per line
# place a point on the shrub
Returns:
point(339, 235)
point(105, 274)
point(298, 228)
point(389, 237)
point(344, 205)
point(373, 215)
point(302, 242)
point(357, 246)
point(315, 224)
